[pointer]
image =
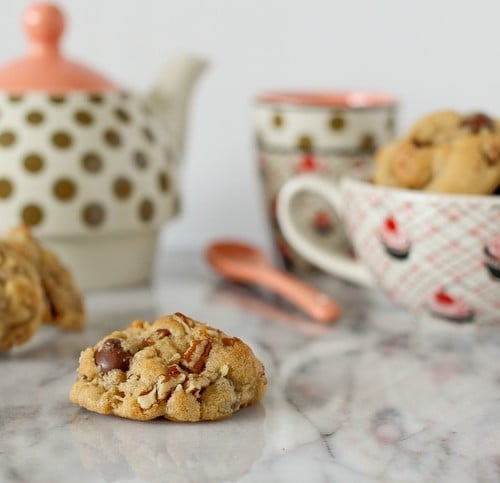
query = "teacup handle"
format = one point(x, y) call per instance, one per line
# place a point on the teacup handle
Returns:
point(334, 263)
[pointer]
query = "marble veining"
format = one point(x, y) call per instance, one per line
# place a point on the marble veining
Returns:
point(375, 397)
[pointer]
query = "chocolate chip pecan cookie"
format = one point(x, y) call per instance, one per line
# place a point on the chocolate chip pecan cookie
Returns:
point(174, 368)
point(63, 302)
point(21, 298)
point(444, 152)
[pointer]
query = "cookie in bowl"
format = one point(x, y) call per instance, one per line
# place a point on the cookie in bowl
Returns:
point(175, 368)
point(444, 152)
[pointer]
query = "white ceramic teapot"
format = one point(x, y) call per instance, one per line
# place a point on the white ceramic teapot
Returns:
point(90, 167)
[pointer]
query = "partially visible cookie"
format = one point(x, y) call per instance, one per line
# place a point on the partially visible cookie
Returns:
point(470, 165)
point(21, 298)
point(444, 152)
point(174, 368)
point(436, 128)
point(63, 301)
point(402, 164)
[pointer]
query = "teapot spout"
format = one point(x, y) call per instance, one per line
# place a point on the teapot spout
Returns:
point(171, 93)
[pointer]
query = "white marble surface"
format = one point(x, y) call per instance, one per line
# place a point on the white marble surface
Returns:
point(369, 399)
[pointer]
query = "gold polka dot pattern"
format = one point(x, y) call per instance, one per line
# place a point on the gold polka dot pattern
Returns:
point(122, 188)
point(35, 117)
point(118, 133)
point(141, 160)
point(93, 214)
point(57, 99)
point(367, 142)
point(64, 189)
point(7, 138)
point(163, 182)
point(146, 210)
point(92, 162)
point(84, 118)
point(305, 143)
point(95, 98)
point(277, 120)
point(337, 123)
point(32, 215)
point(112, 138)
point(33, 163)
point(62, 140)
point(6, 188)
point(122, 115)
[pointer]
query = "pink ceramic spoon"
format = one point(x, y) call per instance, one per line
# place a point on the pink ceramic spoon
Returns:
point(244, 263)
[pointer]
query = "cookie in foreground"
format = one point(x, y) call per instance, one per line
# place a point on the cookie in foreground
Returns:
point(175, 367)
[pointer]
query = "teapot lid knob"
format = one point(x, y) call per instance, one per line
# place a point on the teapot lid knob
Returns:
point(44, 68)
point(44, 24)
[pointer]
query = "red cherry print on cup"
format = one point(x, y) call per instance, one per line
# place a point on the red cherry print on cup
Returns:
point(322, 223)
point(390, 224)
point(445, 306)
point(394, 240)
point(443, 298)
point(308, 164)
point(492, 257)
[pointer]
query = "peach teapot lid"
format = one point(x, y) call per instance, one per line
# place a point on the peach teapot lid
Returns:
point(44, 68)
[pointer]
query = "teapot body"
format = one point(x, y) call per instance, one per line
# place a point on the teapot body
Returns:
point(94, 175)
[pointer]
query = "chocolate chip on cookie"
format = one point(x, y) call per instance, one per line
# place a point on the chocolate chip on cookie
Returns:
point(476, 122)
point(112, 355)
point(175, 368)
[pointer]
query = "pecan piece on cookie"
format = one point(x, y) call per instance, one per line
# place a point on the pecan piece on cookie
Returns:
point(175, 368)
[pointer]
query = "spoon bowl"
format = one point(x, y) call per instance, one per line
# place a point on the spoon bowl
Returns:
point(245, 263)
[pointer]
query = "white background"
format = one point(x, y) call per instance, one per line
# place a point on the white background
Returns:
point(430, 54)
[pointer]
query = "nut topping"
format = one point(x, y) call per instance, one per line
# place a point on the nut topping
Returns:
point(166, 384)
point(156, 335)
point(195, 357)
point(182, 318)
point(112, 355)
point(173, 370)
point(147, 400)
point(196, 384)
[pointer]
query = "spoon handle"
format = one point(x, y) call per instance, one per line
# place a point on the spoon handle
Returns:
point(315, 303)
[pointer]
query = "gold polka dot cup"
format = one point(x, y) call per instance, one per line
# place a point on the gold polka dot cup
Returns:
point(329, 134)
point(93, 169)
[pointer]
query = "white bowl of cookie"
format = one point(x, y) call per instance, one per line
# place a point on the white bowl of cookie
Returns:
point(426, 227)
